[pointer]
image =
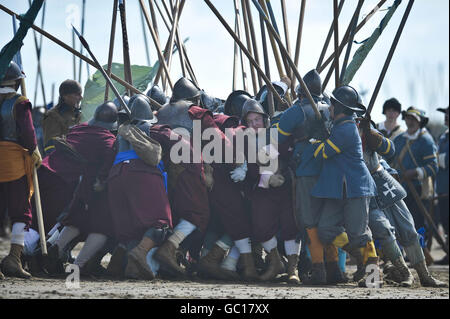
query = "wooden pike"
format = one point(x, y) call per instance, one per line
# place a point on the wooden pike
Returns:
point(350, 41)
point(270, 100)
point(321, 67)
point(162, 61)
point(170, 42)
point(336, 42)
point(126, 49)
point(276, 54)
point(389, 58)
point(180, 45)
point(327, 40)
point(254, 41)
point(111, 45)
point(249, 45)
point(238, 33)
point(291, 63)
point(244, 49)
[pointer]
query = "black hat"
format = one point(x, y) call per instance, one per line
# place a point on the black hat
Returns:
point(392, 103)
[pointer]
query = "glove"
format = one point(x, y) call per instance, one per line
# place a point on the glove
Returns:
point(364, 124)
point(318, 130)
point(36, 158)
point(239, 173)
point(276, 180)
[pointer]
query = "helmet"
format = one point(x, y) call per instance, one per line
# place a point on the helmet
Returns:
point(140, 108)
point(12, 74)
point(235, 101)
point(105, 116)
point(348, 98)
point(125, 98)
point(280, 86)
point(185, 89)
point(253, 106)
point(157, 94)
point(313, 83)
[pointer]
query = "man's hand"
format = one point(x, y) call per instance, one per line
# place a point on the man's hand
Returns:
point(36, 158)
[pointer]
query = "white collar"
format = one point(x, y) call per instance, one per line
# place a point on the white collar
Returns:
point(6, 90)
point(415, 135)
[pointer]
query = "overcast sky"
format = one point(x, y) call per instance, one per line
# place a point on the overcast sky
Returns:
point(418, 75)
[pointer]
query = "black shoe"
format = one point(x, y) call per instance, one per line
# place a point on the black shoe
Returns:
point(443, 261)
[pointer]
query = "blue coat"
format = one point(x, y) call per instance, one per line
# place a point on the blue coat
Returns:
point(442, 175)
point(422, 155)
point(343, 164)
point(293, 119)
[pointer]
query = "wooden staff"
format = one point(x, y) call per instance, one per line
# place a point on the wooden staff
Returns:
point(162, 61)
point(111, 46)
point(235, 58)
point(336, 42)
point(244, 49)
point(253, 37)
point(389, 57)
point(126, 49)
point(422, 207)
point(180, 45)
point(276, 54)
point(291, 63)
point(346, 36)
point(327, 40)
point(249, 45)
point(83, 14)
point(341, 48)
point(77, 54)
point(288, 42)
point(270, 101)
point(169, 45)
point(238, 33)
point(144, 35)
point(350, 41)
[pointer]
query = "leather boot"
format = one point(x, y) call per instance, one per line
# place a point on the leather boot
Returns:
point(166, 255)
point(360, 270)
point(116, 267)
point(401, 274)
point(12, 265)
point(426, 280)
point(318, 275)
point(138, 257)
point(249, 270)
point(334, 274)
point(292, 269)
point(52, 263)
point(275, 265)
point(209, 265)
point(257, 251)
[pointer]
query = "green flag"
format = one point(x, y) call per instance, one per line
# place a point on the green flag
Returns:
point(94, 90)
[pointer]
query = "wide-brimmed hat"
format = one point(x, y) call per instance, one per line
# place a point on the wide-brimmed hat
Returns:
point(419, 115)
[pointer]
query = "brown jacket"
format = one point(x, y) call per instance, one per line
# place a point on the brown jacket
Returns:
point(56, 124)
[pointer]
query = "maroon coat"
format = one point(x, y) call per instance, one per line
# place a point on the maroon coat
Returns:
point(89, 210)
point(189, 196)
point(138, 199)
point(14, 194)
